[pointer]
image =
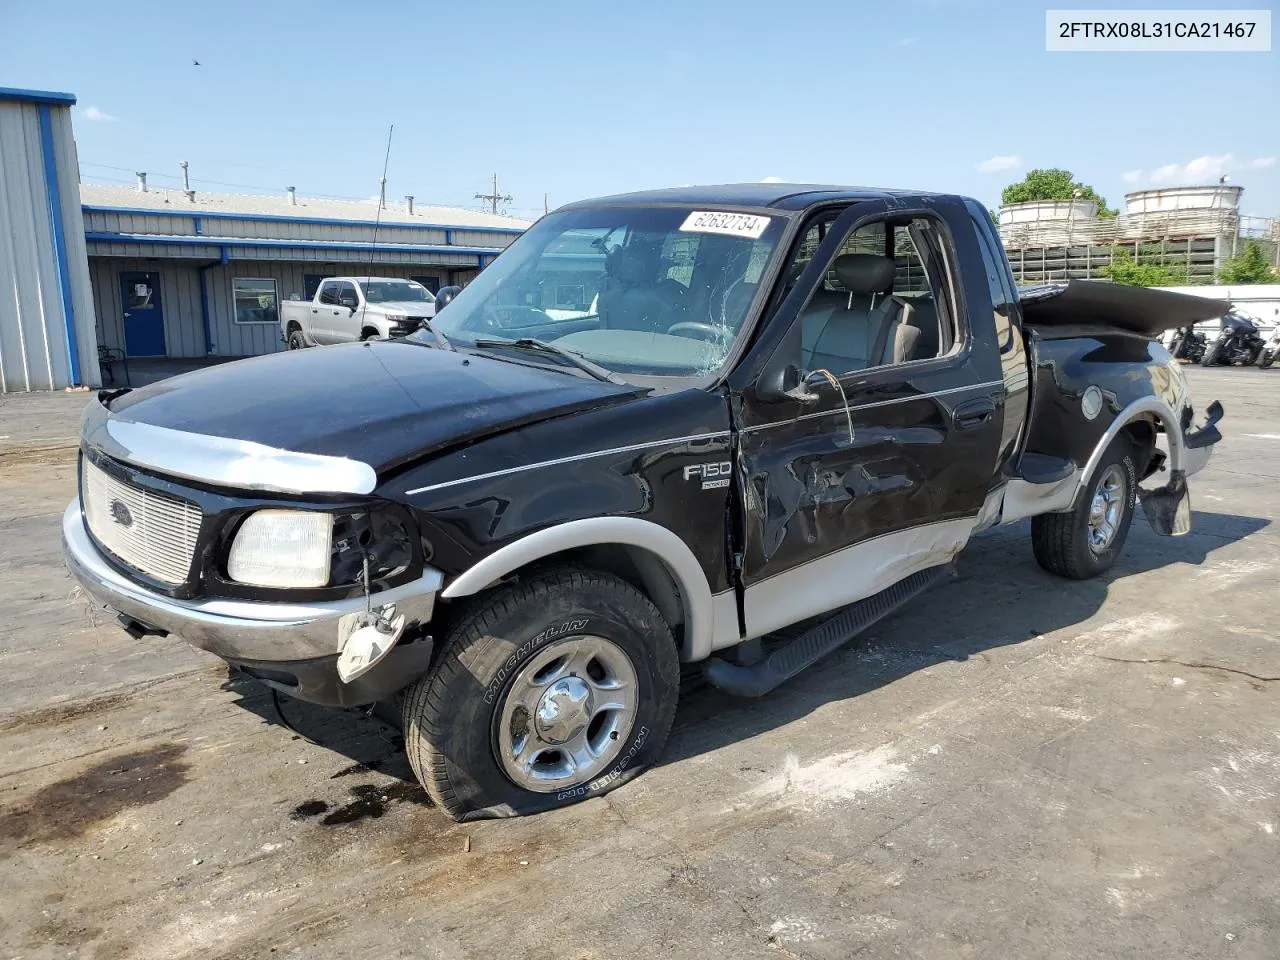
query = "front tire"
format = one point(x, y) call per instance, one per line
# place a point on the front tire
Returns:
point(1087, 540)
point(549, 691)
point(1212, 354)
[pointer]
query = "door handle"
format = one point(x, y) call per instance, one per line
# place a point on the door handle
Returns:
point(973, 413)
point(314, 310)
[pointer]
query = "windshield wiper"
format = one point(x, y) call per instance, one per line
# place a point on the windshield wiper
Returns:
point(425, 324)
point(541, 346)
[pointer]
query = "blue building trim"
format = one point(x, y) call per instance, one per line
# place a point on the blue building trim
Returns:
point(18, 95)
point(198, 224)
point(275, 217)
point(59, 238)
point(170, 240)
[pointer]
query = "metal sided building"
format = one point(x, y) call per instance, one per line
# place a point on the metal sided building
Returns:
point(184, 274)
point(46, 307)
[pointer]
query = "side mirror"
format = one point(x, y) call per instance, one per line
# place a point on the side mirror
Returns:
point(445, 295)
point(790, 383)
point(351, 303)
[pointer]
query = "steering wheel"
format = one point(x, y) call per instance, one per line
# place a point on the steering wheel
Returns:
point(697, 331)
point(504, 317)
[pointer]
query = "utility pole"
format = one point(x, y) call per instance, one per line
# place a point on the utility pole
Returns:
point(494, 198)
point(545, 211)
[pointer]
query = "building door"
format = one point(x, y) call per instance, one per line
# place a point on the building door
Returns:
point(143, 314)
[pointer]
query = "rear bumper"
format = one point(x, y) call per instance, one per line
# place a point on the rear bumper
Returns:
point(236, 630)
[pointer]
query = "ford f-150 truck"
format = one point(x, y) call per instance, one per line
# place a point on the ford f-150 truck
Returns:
point(347, 309)
point(780, 407)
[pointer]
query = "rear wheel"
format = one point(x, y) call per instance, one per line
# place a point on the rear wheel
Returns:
point(1266, 358)
point(296, 340)
point(1086, 540)
point(549, 691)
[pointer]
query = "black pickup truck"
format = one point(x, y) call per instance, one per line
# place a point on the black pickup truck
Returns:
point(659, 428)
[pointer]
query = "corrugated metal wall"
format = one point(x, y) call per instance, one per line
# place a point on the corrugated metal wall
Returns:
point(181, 224)
point(180, 300)
point(34, 343)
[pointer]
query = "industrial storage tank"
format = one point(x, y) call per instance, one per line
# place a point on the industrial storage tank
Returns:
point(1203, 211)
point(1044, 222)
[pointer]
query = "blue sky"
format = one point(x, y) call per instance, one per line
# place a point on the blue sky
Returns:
point(578, 99)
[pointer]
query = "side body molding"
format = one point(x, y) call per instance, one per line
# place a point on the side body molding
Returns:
point(681, 564)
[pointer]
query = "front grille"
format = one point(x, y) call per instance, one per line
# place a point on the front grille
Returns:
point(151, 532)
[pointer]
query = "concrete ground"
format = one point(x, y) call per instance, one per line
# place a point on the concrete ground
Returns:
point(1016, 766)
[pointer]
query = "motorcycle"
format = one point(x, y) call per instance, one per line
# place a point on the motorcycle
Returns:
point(1239, 342)
point(1187, 344)
point(1270, 350)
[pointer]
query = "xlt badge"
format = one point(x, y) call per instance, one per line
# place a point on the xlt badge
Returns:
point(714, 476)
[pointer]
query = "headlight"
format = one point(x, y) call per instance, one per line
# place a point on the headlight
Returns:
point(397, 317)
point(282, 548)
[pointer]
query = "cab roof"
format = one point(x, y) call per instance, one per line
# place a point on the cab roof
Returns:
point(779, 196)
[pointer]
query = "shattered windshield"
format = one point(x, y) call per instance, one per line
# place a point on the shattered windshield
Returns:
point(396, 291)
point(654, 292)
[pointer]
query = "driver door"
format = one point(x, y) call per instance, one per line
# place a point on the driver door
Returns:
point(877, 467)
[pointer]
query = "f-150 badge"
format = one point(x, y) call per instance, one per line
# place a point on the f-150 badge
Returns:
point(714, 476)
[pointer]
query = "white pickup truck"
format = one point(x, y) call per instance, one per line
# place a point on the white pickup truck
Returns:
point(347, 309)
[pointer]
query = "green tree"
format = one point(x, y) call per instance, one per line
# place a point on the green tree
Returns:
point(1122, 269)
point(1249, 267)
point(1053, 184)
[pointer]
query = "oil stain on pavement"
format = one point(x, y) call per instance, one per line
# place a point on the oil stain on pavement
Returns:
point(70, 808)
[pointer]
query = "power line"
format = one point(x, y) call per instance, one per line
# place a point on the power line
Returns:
point(494, 198)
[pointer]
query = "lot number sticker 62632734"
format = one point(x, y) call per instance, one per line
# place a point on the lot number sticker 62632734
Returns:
point(730, 224)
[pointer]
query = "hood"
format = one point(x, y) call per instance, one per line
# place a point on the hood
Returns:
point(412, 308)
point(382, 402)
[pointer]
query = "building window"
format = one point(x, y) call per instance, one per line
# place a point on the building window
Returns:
point(256, 300)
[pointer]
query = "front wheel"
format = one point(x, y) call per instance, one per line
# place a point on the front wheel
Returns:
point(1213, 354)
point(549, 691)
point(1086, 540)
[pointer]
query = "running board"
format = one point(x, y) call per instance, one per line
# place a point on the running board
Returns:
point(757, 679)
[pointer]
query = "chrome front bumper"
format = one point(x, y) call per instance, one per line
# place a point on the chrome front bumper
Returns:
point(234, 629)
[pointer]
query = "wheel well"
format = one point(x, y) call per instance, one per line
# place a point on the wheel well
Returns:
point(294, 325)
point(370, 332)
point(1142, 434)
point(639, 567)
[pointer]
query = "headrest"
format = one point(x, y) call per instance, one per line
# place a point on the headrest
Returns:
point(864, 272)
point(631, 266)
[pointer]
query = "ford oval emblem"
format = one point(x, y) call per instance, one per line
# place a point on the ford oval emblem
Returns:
point(120, 513)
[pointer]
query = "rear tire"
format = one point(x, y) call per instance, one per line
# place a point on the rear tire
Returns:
point(296, 340)
point(548, 691)
point(1266, 358)
point(1212, 354)
point(1087, 540)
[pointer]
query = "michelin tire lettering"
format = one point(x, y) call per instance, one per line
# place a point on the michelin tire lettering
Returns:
point(524, 650)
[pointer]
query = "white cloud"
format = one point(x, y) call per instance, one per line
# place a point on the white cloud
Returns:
point(771, 180)
point(96, 115)
point(1131, 176)
point(907, 42)
point(1259, 163)
point(1199, 170)
point(996, 164)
